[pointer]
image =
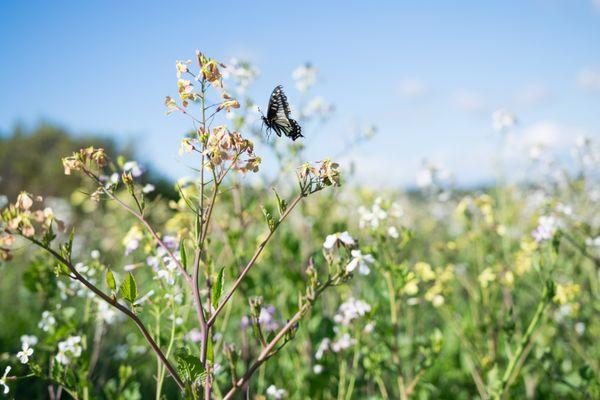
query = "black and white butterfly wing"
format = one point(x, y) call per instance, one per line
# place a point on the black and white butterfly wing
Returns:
point(278, 115)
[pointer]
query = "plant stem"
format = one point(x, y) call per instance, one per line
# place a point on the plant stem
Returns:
point(118, 306)
point(245, 271)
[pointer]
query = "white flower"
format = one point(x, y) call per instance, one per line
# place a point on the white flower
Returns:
point(144, 298)
point(266, 318)
point(25, 353)
point(95, 254)
point(242, 72)
point(343, 343)
point(275, 393)
point(194, 335)
point(547, 226)
point(166, 275)
point(580, 328)
point(323, 347)
point(343, 238)
point(29, 339)
point(133, 167)
point(106, 312)
point(68, 349)
point(370, 327)
point(305, 77)
point(361, 261)
point(503, 120)
point(3, 379)
point(372, 217)
point(424, 178)
point(393, 232)
point(318, 107)
point(317, 369)
point(349, 310)
point(47, 322)
point(148, 188)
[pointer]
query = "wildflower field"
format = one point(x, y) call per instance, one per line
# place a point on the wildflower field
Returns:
point(294, 280)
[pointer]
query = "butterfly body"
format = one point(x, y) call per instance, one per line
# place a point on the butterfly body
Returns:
point(278, 116)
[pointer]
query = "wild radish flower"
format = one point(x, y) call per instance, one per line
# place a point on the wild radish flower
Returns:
point(25, 353)
point(242, 72)
point(95, 254)
point(132, 239)
point(194, 336)
point(503, 120)
point(593, 243)
point(266, 318)
point(3, 379)
point(106, 312)
point(343, 343)
point(393, 232)
point(547, 227)
point(134, 168)
point(370, 327)
point(148, 188)
point(424, 271)
point(486, 277)
point(317, 369)
point(438, 300)
point(350, 310)
point(29, 339)
point(341, 238)
point(372, 217)
point(361, 261)
point(274, 393)
point(305, 77)
point(68, 349)
point(47, 322)
point(317, 107)
point(580, 328)
point(323, 347)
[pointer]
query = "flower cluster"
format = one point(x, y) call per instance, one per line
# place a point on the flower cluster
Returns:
point(313, 178)
point(223, 145)
point(435, 282)
point(350, 310)
point(305, 77)
point(83, 159)
point(69, 349)
point(20, 218)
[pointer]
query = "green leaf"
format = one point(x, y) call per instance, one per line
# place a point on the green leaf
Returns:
point(128, 288)
point(189, 367)
point(110, 280)
point(218, 288)
point(269, 218)
point(281, 204)
point(182, 253)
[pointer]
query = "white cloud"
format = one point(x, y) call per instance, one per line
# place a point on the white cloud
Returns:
point(533, 95)
point(412, 88)
point(589, 78)
point(469, 102)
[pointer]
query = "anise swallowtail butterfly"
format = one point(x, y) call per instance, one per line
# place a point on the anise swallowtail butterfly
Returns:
point(278, 116)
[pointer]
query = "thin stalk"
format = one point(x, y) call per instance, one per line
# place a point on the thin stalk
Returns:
point(118, 306)
point(245, 271)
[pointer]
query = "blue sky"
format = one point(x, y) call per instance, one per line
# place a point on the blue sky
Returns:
point(427, 73)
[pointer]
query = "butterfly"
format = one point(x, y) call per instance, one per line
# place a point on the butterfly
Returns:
point(278, 116)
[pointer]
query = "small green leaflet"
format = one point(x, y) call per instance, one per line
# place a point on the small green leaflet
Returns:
point(128, 289)
point(110, 280)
